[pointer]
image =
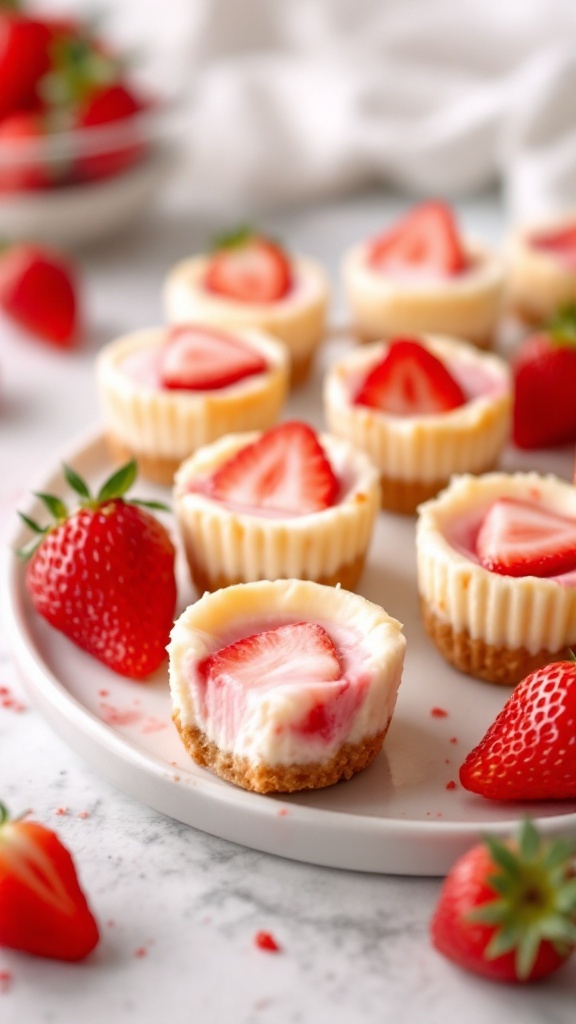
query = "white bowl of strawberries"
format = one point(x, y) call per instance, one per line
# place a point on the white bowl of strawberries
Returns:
point(83, 149)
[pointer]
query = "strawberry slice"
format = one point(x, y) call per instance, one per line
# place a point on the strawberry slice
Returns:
point(197, 358)
point(44, 911)
point(410, 380)
point(301, 652)
point(285, 471)
point(561, 243)
point(249, 268)
point(520, 539)
point(426, 240)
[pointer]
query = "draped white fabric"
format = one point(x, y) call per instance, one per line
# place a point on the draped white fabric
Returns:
point(293, 99)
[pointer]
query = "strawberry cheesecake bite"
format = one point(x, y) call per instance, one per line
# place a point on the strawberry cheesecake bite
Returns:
point(167, 391)
point(251, 281)
point(422, 409)
point(286, 685)
point(286, 503)
point(496, 559)
point(541, 271)
point(421, 275)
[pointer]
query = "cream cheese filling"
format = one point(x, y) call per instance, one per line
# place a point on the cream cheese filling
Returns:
point(504, 611)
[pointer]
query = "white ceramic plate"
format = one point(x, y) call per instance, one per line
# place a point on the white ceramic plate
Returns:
point(400, 816)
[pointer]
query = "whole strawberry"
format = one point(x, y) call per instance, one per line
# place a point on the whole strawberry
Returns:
point(38, 290)
point(43, 910)
point(104, 575)
point(507, 910)
point(529, 751)
point(544, 372)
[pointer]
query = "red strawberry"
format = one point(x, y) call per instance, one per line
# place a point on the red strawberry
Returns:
point(508, 910)
point(284, 471)
point(104, 575)
point(426, 239)
point(544, 370)
point(43, 910)
point(520, 539)
point(300, 650)
point(529, 751)
point(249, 268)
point(38, 291)
point(24, 58)
point(109, 105)
point(201, 359)
point(561, 243)
point(21, 166)
point(410, 380)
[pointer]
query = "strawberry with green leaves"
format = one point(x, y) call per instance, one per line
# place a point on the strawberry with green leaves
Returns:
point(43, 910)
point(544, 371)
point(507, 910)
point(104, 574)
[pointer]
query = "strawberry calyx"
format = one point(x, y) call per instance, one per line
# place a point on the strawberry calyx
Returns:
point(79, 67)
point(240, 235)
point(114, 488)
point(535, 885)
point(562, 327)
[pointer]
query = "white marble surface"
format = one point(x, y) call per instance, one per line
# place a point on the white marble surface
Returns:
point(179, 909)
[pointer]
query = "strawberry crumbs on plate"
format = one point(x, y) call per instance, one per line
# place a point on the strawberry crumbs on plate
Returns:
point(267, 942)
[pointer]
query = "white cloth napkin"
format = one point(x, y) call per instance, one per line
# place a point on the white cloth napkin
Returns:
point(295, 99)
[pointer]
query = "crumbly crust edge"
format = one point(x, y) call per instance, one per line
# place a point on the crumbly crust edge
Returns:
point(349, 759)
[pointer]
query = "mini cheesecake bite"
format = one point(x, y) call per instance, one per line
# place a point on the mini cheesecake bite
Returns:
point(420, 275)
point(286, 503)
point(286, 685)
point(250, 281)
point(541, 269)
point(422, 408)
point(496, 559)
point(165, 392)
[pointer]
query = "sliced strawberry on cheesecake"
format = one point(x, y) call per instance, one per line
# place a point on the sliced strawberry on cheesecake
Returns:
point(268, 660)
point(410, 380)
point(285, 471)
point(517, 538)
point(197, 358)
point(249, 268)
point(425, 240)
point(560, 242)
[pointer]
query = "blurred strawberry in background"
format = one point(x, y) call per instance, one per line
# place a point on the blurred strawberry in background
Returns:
point(68, 111)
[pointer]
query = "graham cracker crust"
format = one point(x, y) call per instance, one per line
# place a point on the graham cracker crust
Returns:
point(500, 665)
point(150, 467)
point(265, 778)
point(347, 576)
point(300, 369)
point(404, 496)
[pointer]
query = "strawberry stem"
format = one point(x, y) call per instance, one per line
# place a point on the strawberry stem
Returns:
point(562, 327)
point(236, 237)
point(535, 897)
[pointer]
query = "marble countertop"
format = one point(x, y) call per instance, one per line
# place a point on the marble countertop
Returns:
point(179, 909)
